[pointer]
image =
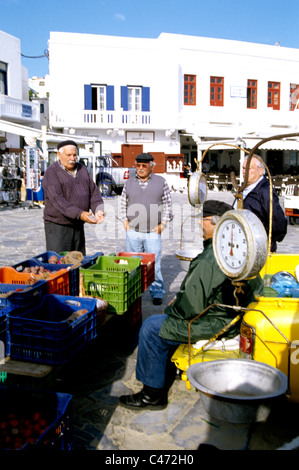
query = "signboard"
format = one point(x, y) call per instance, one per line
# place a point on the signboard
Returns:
point(138, 137)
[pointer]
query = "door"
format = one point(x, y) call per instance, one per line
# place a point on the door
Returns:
point(129, 153)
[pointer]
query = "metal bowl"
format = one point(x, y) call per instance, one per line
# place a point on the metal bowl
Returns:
point(237, 390)
point(186, 256)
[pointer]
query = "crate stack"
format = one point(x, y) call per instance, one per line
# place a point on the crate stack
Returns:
point(38, 298)
point(48, 312)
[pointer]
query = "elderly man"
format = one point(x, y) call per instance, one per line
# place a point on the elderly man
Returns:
point(70, 199)
point(146, 209)
point(204, 284)
point(256, 198)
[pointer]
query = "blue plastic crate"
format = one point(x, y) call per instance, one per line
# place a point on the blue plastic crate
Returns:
point(43, 260)
point(29, 263)
point(23, 296)
point(53, 331)
point(54, 411)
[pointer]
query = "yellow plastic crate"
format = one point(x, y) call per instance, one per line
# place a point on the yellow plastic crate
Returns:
point(280, 262)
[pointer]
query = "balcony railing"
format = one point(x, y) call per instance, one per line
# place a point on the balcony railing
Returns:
point(19, 111)
point(102, 119)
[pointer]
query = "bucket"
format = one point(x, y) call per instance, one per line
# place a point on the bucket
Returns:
point(237, 390)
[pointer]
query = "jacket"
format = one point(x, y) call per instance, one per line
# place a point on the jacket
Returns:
point(205, 284)
point(258, 202)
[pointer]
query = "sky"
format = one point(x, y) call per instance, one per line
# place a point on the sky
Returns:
point(258, 21)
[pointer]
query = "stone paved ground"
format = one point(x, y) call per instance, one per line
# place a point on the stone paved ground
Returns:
point(105, 368)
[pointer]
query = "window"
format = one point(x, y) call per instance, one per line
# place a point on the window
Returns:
point(190, 90)
point(294, 97)
point(216, 91)
point(98, 94)
point(3, 78)
point(274, 95)
point(252, 94)
point(135, 99)
point(99, 97)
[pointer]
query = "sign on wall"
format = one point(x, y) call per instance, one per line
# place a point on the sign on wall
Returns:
point(238, 92)
point(144, 137)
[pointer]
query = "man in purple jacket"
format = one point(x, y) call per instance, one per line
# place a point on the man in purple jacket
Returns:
point(70, 197)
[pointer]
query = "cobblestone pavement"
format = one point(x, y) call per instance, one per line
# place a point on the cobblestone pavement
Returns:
point(105, 368)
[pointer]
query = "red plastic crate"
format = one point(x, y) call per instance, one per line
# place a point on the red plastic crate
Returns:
point(57, 281)
point(147, 267)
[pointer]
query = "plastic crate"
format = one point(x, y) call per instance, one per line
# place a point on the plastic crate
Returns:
point(147, 267)
point(26, 405)
point(134, 313)
point(57, 280)
point(115, 279)
point(43, 260)
point(21, 295)
point(280, 262)
point(2, 330)
point(53, 331)
point(29, 263)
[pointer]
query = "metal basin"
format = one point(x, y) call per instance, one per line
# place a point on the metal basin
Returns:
point(237, 390)
point(186, 256)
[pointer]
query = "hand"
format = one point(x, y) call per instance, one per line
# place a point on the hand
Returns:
point(87, 217)
point(126, 225)
point(158, 229)
point(99, 217)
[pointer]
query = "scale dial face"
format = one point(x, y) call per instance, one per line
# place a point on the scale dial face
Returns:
point(240, 244)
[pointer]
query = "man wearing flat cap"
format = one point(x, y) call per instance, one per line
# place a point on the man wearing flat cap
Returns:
point(71, 197)
point(146, 209)
point(204, 284)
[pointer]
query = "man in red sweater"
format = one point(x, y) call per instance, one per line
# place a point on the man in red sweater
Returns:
point(70, 197)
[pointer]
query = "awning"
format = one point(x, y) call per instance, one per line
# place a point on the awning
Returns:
point(272, 144)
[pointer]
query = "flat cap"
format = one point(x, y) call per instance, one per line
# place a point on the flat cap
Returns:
point(66, 142)
point(215, 208)
point(144, 157)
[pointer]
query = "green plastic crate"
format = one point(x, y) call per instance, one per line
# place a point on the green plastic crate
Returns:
point(116, 279)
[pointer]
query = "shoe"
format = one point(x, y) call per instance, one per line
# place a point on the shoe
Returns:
point(143, 399)
point(157, 301)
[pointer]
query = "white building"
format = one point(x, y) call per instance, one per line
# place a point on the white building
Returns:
point(15, 108)
point(175, 95)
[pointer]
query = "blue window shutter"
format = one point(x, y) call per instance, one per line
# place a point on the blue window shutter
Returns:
point(145, 98)
point(87, 97)
point(124, 98)
point(110, 97)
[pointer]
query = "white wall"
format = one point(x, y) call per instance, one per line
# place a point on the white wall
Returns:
point(78, 59)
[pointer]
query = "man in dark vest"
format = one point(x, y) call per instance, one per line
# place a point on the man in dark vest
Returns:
point(146, 209)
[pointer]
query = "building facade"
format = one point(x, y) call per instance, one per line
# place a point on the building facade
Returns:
point(176, 95)
point(15, 107)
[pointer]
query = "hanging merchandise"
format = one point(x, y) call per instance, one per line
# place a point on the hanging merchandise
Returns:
point(10, 179)
point(32, 171)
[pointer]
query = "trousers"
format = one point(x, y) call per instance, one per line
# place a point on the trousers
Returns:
point(140, 242)
point(153, 353)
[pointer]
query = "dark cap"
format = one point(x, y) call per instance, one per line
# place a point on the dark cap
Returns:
point(144, 157)
point(215, 208)
point(66, 142)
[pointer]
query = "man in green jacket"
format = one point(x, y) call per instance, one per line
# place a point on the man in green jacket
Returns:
point(204, 284)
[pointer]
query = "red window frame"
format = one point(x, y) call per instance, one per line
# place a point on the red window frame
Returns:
point(274, 95)
point(190, 90)
point(216, 91)
point(294, 96)
point(251, 94)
